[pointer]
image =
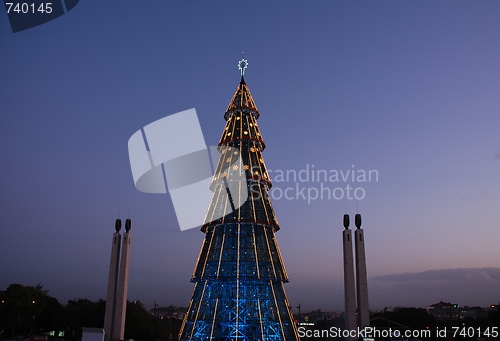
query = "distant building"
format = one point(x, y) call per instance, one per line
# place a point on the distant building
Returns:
point(493, 307)
point(444, 311)
point(319, 315)
point(165, 312)
point(473, 312)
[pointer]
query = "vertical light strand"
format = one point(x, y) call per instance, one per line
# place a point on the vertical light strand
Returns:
point(253, 205)
point(188, 309)
point(260, 318)
point(242, 95)
point(198, 310)
point(254, 121)
point(214, 208)
point(259, 155)
point(272, 210)
point(226, 201)
point(233, 128)
point(237, 305)
point(280, 258)
point(255, 251)
point(290, 316)
point(220, 254)
point(263, 205)
point(278, 310)
point(241, 125)
point(248, 127)
point(208, 252)
point(238, 256)
point(251, 184)
point(198, 260)
point(240, 169)
point(215, 315)
point(224, 183)
point(270, 254)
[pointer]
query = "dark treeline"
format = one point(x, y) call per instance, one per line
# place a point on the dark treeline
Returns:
point(29, 310)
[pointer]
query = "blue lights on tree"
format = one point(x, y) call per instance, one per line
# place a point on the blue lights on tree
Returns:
point(239, 276)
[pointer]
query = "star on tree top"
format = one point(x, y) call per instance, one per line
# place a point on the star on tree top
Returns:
point(242, 65)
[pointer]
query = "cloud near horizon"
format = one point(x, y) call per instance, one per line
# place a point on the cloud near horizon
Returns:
point(464, 286)
point(481, 196)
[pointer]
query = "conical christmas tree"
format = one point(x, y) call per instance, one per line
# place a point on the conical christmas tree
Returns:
point(239, 276)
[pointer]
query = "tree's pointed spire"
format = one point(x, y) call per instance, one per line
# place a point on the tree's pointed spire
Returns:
point(242, 99)
point(239, 277)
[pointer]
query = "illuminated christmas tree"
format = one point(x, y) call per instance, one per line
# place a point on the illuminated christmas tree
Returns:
point(239, 275)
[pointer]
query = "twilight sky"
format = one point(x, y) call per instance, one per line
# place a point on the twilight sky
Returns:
point(409, 89)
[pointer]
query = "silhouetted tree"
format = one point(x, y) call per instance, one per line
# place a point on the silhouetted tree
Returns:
point(53, 317)
point(21, 306)
point(139, 324)
point(84, 313)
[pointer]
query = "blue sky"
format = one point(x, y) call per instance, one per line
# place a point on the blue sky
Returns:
point(410, 89)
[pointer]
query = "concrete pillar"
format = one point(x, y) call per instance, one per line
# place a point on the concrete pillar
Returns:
point(349, 288)
point(122, 289)
point(112, 283)
point(361, 278)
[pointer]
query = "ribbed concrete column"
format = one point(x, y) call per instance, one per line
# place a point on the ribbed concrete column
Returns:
point(361, 278)
point(349, 286)
point(122, 290)
point(112, 282)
